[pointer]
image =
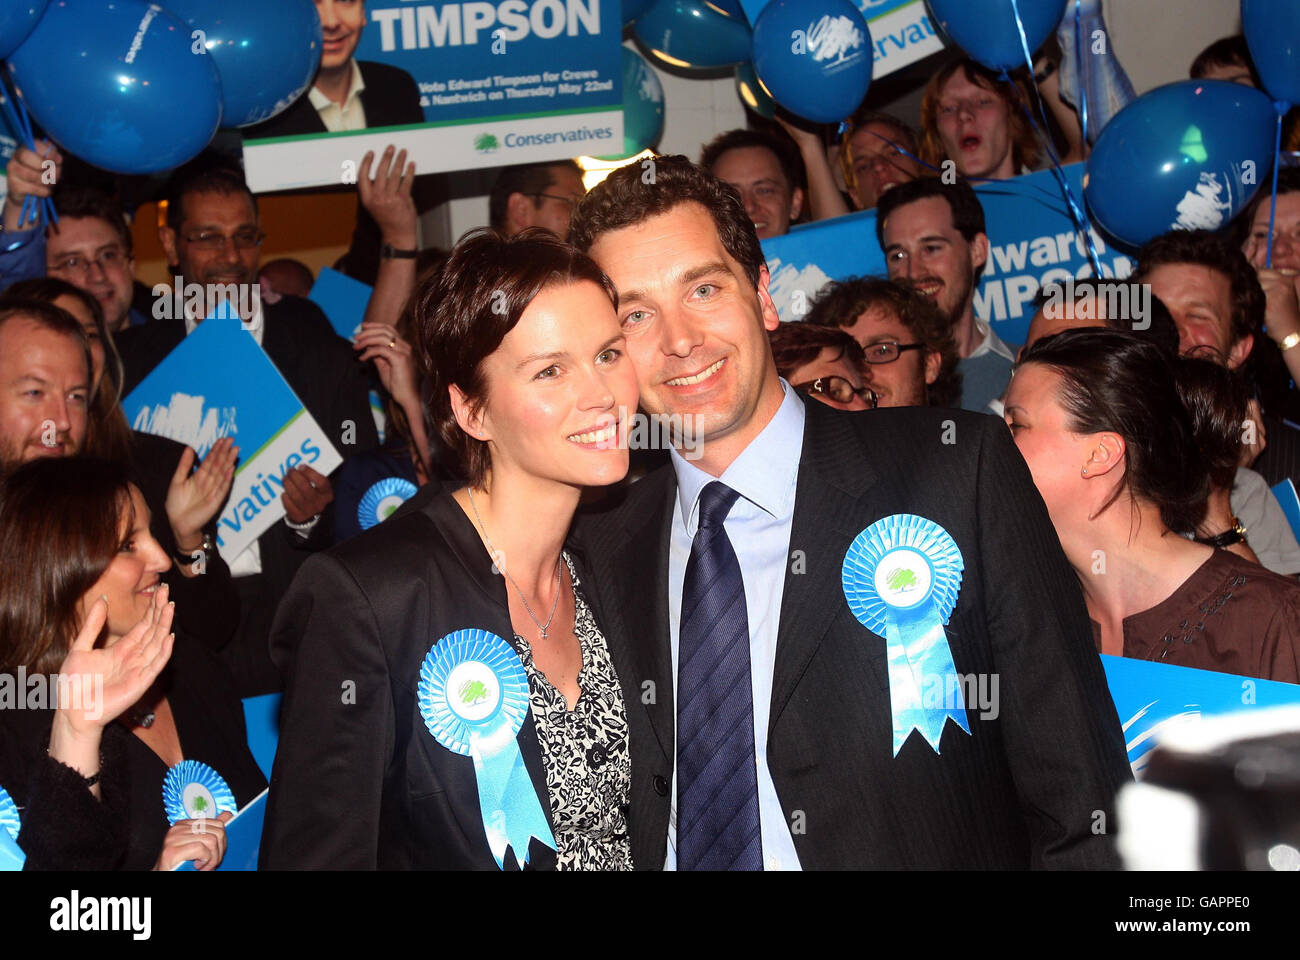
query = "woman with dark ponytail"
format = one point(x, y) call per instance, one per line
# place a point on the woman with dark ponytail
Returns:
point(1098, 417)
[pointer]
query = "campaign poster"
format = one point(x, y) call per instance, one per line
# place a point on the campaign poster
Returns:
point(1153, 698)
point(1032, 242)
point(219, 382)
point(459, 85)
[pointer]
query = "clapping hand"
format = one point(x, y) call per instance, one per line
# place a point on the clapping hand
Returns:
point(306, 493)
point(193, 499)
point(120, 673)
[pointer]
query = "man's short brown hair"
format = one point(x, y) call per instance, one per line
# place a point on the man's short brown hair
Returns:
point(841, 302)
point(657, 185)
point(1215, 252)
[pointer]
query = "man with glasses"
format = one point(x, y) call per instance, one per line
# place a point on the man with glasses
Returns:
point(211, 237)
point(91, 247)
point(910, 355)
point(536, 195)
point(823, 363)
point(932, 234)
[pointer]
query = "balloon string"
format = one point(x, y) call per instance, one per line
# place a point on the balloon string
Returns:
point(1079, 71)
point(1076, 212)
point(16, 114)
point(1282, 108)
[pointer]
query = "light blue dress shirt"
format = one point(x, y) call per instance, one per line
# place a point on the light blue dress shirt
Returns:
point(759, 529)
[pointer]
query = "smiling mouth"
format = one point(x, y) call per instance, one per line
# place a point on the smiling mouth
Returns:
point(929, 288)
point(151, 589)
point(696, 378)
point(603, 435)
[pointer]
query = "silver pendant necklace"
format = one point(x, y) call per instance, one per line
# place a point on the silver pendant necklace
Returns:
point(498, 557)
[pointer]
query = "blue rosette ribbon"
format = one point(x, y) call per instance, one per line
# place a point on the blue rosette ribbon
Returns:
point(193, 790)
point(378, 503)
point(11, 855)
point(901, 578)
point(473, 696)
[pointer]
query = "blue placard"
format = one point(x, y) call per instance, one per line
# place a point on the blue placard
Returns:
point(1286, 496)
point(262, 728)
point(218, 382)
point(1152, 697)
point(1032, 241)
point(342, 299)
point(495, 83)
point(243, 838)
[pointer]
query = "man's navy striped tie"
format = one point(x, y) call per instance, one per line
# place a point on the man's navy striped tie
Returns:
point(717, 784)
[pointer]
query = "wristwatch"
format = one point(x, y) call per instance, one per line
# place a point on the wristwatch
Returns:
point(390, 252)
point(1234, 534)
point(188, 556)
point(1289, 341)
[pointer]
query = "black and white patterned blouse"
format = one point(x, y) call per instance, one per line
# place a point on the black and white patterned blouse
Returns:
point(584, 752)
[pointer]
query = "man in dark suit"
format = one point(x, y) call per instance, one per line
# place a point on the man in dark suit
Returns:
point(761, 711)
point(212, 237)
point(347, 94)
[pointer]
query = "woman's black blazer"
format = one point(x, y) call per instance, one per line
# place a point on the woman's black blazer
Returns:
point(359, 782)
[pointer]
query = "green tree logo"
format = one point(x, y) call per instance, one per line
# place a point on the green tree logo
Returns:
point(473, 692)
point(200, 804)
point(901, 579)
point(486, 143)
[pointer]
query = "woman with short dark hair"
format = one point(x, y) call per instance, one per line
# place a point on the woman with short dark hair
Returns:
point(451, 702)
point(81, 578)
point(1112, 448)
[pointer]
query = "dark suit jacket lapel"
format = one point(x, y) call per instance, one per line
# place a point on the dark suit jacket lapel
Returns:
point(634, 591)
point(490, 590)
point(833, 476)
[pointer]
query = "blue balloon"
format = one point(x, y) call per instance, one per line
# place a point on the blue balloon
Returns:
point(118, 85)
point(987, 30)
point(266, 53)
point(690, 33)
point(1188, 155)
point(643, 104)
point(632, 9)
point(751, 91)
point(18, 18)
point(1272, 29)
point(814, 57)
